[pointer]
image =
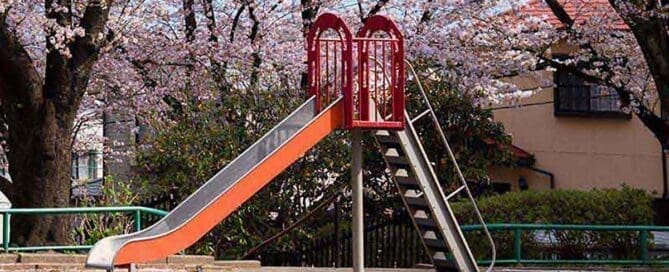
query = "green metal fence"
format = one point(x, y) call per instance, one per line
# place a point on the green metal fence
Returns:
point(519, 228)
point(136, 211)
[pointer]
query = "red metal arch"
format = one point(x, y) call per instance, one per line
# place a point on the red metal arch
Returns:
point(325, 22)
point(395, 39)
point(380, 23)
point(331, 70)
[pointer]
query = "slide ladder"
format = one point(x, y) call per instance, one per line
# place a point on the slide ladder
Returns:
point(422, 194)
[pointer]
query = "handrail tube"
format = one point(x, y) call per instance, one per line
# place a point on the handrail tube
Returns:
point(517, 228)
point(505, 226)
point(84, 210)
point(451, 156)
point(517, 247)
point(6, 213)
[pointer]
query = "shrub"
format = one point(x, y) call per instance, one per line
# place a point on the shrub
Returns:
point(90, 228)
point(597, 207)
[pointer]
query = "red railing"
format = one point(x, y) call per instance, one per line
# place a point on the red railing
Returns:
point(377, 100)
point(330, 60)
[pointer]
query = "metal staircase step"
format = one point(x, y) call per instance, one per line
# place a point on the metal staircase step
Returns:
point(392, 152)
point(388, 140)
point(417, 201)
point(433, 240)
point(426, 223)
point(413, 173)
point(397, 161)
point(442, 263)
point(407, 182)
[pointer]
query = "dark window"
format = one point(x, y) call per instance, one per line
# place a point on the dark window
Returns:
point(575, 97)
point(92, 165)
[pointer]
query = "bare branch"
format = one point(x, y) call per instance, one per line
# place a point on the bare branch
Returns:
point(309, 12)
point(375, 9)
point(85, 49)
point(211, 19)
point(19, 80)
point(189, 19)
point(560, 13)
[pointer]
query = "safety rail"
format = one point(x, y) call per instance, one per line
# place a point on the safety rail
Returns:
point(7, 213)
point(519, 228)
point(338, 65)
point(442, 138)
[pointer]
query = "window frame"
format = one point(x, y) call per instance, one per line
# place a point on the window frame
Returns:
point(562, 112)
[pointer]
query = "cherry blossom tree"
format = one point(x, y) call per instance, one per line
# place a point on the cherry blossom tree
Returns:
point(62, 60)
point(47, 52)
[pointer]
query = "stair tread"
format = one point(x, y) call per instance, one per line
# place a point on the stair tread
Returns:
point(397, 160)
point(435, 243)
point(442, 263)
point(407, 182)
point(425, 223)
point(417, 201)
point(387, 139)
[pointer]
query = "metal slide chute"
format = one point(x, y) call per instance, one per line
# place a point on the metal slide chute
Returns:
point(224, 192)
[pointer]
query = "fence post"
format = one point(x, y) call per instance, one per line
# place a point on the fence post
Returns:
point(643, 241)
point(5, 231)
point(337, 248)
point(517, 253)
point(138, 220)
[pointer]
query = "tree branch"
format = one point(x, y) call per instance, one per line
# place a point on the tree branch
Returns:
point(19, 80)
point(309, 12)
point(189, 19)
point(560, 13)
point(85, 49)
point(375, 9)
point(211, 19)
point(653, 38)
point(257, 60)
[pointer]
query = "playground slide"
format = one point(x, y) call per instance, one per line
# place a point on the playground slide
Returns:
point(224, 192)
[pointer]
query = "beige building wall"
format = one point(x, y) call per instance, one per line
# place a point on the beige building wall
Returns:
point(581, 152)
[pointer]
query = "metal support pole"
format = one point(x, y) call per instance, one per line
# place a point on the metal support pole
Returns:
point(138, 220)
point(5, 231)
point(517, 247)
point(337, 248)
point(643, 243)
point(358, 212)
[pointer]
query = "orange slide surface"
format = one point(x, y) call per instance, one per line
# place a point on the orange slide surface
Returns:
point(170, 243)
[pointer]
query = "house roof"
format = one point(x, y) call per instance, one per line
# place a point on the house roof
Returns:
point(523, 156)
point(581, 11)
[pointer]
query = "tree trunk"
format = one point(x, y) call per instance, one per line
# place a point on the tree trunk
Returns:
point(40, 113)
point(39, 163)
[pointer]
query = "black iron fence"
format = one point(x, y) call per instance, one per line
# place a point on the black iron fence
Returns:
point(389, 242)
point(165, 201)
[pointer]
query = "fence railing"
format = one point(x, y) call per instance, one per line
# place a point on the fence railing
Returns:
point(518, 229)
point(165, 201)
point(135, 211)
point(394, 243)
point(385, 236)
point(389, 242)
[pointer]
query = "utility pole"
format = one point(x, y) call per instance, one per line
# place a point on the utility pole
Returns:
point(358, 211)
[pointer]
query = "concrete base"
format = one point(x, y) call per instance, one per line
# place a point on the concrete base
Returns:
point(53, 262)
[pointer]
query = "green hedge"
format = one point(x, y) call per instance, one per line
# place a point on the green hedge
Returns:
point(597, 207)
